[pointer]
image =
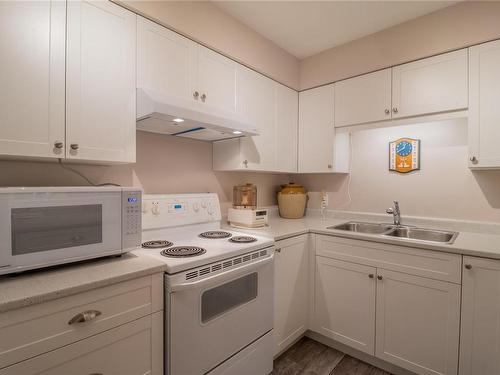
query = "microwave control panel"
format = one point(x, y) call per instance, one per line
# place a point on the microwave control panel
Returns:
point(131, 219)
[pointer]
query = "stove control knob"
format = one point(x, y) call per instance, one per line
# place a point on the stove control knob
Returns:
point(156, 209)
point(204, 204)
point(145, 207)
point(210, 209)
point(196, 206)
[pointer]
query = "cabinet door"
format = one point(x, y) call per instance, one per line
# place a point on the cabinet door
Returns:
point(345, 303)
point(436, 84)
point(316, 130)
point(287, 102)
point(216, 81)
point(166, 62)
point(259, 106)
point(484, 114)
point(101, 80)
point(417, 323)
point(32, 55)
point(291, 288)
point(480, 336)
point(131, 349)
point(366, 98)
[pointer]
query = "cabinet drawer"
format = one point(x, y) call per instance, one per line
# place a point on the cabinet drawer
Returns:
point(125, 350)
point(37, 329)
point(427, 263)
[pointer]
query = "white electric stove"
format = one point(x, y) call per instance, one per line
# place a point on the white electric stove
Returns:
point(218, 287)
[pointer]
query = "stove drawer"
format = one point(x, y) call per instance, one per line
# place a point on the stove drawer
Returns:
point(37, 329)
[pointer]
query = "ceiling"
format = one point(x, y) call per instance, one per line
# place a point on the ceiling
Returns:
point(304, 28)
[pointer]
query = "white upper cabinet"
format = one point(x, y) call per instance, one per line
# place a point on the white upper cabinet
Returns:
point(484, 110)
point(316, 130)
point(273, 108)
point(362, 99)
point(417, 323)
point(258, 94)
point(165, 62)
point(32, 51)
point(287, 102)
point(480, 330)
point(101, 82)
point(432, 85)
point(216, 80)
point(320, 149)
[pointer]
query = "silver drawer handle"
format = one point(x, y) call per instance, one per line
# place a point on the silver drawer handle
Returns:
point(85, 316)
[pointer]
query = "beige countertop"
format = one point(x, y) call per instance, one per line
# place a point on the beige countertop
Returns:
point(44, 285)
point(475, 238)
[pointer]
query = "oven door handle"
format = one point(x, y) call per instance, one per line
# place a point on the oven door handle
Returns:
point(223, 275)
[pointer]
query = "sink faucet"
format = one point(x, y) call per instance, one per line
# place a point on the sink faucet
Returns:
point(396, 213)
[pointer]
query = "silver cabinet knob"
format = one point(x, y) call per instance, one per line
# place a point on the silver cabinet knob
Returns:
point(196, 94)
point(74, 146)
point(468, 266)
point(85, 316)
point(379, 277)
point(387, 111)
point(58, 144)
point(203, 97)
point(330, 166)
point(473, 160)
point(245, 162)
point(395, 110)
point(371, 275)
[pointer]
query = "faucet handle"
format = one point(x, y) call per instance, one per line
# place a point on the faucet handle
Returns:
point(390, 211)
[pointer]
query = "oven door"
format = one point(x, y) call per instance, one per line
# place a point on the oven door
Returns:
point(41, 229)
point(212, 319)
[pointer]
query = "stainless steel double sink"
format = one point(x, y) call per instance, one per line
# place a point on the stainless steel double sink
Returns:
point(401, 232)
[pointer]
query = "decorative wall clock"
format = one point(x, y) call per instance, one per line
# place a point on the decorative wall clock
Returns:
point(404, 155)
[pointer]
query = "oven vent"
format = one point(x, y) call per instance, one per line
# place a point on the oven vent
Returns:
point(226, 264)
point(204, 271)
point(216, 267)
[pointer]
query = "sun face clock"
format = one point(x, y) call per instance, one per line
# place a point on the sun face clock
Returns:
point(404, 155)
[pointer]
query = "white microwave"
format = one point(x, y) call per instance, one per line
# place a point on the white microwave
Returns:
point(45, 226)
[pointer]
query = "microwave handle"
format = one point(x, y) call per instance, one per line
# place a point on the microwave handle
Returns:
point(221, 276)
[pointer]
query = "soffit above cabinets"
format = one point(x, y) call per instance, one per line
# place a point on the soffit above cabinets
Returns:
point(304, 28)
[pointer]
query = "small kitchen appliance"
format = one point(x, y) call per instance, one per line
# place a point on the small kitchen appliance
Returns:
point(244, 213)
point(292, 200)
point(215, 280)
point(46, 226)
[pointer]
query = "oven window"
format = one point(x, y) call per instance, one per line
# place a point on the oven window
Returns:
point(223, 298)
point(37, 229)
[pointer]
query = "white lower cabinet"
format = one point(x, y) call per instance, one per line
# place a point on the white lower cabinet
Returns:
point(126, 350)
point(345, 303)
point(480, 329)
point(417, 323)
point(408, 320)
point(291, 288)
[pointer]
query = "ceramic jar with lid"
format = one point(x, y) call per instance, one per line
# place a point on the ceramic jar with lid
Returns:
point(292, 200)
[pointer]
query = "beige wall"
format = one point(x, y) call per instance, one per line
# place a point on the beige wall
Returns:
point(165, 164)
point(444, 187)
point(207, 24)
point(451, 28)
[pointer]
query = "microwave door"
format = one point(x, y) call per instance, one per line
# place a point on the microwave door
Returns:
point(57, 227)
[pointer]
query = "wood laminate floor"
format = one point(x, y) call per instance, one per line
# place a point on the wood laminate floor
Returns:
point(310, 357)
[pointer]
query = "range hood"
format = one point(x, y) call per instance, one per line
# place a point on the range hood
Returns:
point(165, 114)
